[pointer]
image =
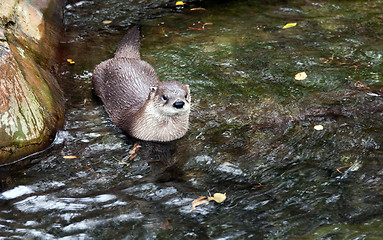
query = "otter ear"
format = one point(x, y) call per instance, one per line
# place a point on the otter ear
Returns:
point(188, 92)
point(152, 93)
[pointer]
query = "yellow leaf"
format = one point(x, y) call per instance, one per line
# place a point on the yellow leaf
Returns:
point(70, 61)
point(180, 3)
point(318, 127)
point(218, 197)
point(300, 76)
point(107, 22)
point(289, 25)
point(69, 157)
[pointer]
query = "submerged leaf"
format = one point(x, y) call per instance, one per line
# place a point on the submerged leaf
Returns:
point(318, 127)
point(166, 226)
point(193, 28)
point(198, 9)
point(107, 22)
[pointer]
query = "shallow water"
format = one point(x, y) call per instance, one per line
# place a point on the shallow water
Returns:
point(252, 130)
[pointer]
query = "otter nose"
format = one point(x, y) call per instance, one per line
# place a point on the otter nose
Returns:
point(178, 104)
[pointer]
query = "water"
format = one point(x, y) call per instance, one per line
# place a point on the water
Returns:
point(252, 130)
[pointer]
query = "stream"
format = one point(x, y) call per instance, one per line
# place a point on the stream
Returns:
point(297, 159)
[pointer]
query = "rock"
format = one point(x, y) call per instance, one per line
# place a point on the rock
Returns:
point(31, 101)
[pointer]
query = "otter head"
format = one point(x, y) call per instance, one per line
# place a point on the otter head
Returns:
point(165, 115)
point(171, 98)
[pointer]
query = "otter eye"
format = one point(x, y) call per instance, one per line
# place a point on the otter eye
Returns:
point(186, 96)
point(164, 97)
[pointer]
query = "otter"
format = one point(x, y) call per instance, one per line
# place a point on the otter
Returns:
point(136, 100)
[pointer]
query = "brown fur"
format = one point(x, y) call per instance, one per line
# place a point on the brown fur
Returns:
point(135, 99)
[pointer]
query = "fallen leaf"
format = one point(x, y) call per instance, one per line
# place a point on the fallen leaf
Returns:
point(289, 25)
point(218, 197)
point(300, 76)
point(193, 28)
point(203, 26)
point(199, 201)
point(69, 157)
point(107, 22)
point(318, 127)
point(198, 9)
point(70, 61)
point(339, 169)
point(134, 149)
point(180, 3)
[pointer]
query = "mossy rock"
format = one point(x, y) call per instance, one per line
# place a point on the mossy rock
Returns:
point(31, 102)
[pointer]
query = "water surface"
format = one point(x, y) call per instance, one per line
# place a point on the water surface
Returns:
point(252, 132)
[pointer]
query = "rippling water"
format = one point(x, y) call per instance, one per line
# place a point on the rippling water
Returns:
point(252, 130)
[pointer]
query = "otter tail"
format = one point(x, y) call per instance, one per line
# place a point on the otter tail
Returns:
point(129, 47)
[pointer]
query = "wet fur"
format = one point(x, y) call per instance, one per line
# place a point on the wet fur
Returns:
point(130, 90)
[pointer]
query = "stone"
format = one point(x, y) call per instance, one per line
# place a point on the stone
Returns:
point(31, 101)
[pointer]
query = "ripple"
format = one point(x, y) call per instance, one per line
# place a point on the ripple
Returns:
point(45, 202)
point(16, 192)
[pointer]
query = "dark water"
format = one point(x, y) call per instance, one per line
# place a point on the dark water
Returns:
point(252, 130)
